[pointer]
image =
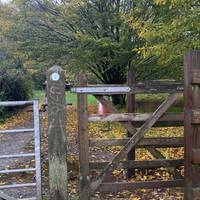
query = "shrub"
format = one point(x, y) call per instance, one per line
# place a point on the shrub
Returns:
point(14, 86)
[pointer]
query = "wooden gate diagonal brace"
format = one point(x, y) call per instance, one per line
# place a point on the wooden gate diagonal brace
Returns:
point(134, 140)
point(158, 155)
point(128, 125)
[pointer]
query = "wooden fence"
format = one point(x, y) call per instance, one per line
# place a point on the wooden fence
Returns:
point(137, 124)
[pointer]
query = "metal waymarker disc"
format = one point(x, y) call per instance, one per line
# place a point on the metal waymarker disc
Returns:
point(55, 76)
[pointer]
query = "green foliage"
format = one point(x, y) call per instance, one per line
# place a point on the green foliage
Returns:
point(89, 35)
point(168, 27)
point(14, 86)
point(38, 77)
point(103, 38)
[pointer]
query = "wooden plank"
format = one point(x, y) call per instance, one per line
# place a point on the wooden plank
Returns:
point(195, 76)
point(168, 119)
point(57, 134)
point(37, 149)
point(138, 88)
point(134, 140)
point(163, 142)
point(158, 155)
point(146, 105)
point(191, 131)
point(159, 87)
point(15, 103)
point(138, 164)
point(83, 140)
point(196, 156)
point(101, 90)
point(135, 117)
point(113, 187)
point(130, 109)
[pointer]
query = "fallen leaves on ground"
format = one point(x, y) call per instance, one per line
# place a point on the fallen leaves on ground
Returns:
point(112, 130)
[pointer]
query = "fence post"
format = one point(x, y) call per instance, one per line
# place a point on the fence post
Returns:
point(84, 182)
point(57, 133)
point(130, 109)
point(191, 130)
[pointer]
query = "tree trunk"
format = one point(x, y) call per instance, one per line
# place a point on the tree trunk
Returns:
point(118, 100)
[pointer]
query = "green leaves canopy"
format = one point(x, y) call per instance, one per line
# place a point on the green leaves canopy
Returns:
point(169, 27)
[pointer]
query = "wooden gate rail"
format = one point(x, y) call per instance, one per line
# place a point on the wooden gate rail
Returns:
point(164, 142)
point(133, 141)
point(158, 155)
point(138, 164)
point(167, 120)
point(36, 154)
point(89, 187)
point(131, 129)
point(138, 88)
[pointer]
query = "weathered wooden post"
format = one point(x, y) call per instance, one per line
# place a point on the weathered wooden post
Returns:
point(130, 109)
point(84, 182)
point(57, 133)
point(192, 124)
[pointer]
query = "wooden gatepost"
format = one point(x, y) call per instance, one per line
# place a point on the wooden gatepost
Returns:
point(57, 134)
point(192, 124)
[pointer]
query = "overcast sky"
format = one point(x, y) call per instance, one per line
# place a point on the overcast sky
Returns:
point(5, 1)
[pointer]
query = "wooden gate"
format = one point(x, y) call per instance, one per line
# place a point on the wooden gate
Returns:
point(158, 118)
point(136, 124)
point(35, 154)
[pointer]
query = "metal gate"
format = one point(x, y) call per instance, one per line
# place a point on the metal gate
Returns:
point(36, 153)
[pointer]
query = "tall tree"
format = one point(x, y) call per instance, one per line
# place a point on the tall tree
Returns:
point(168, 27)
point(87, 34)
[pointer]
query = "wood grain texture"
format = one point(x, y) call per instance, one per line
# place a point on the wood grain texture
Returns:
point(83, 140)
point(162, 142)
point(167, 120)
point(141, 164)
point(133, 140)
point(130, 109)
point(191, 130)
point(57, 134)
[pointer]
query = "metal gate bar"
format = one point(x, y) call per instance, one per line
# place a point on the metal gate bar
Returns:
point(36, 154)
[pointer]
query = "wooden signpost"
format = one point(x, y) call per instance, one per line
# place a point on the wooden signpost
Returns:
point(57, 133)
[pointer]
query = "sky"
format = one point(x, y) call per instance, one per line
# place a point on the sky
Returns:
point(5, 1)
